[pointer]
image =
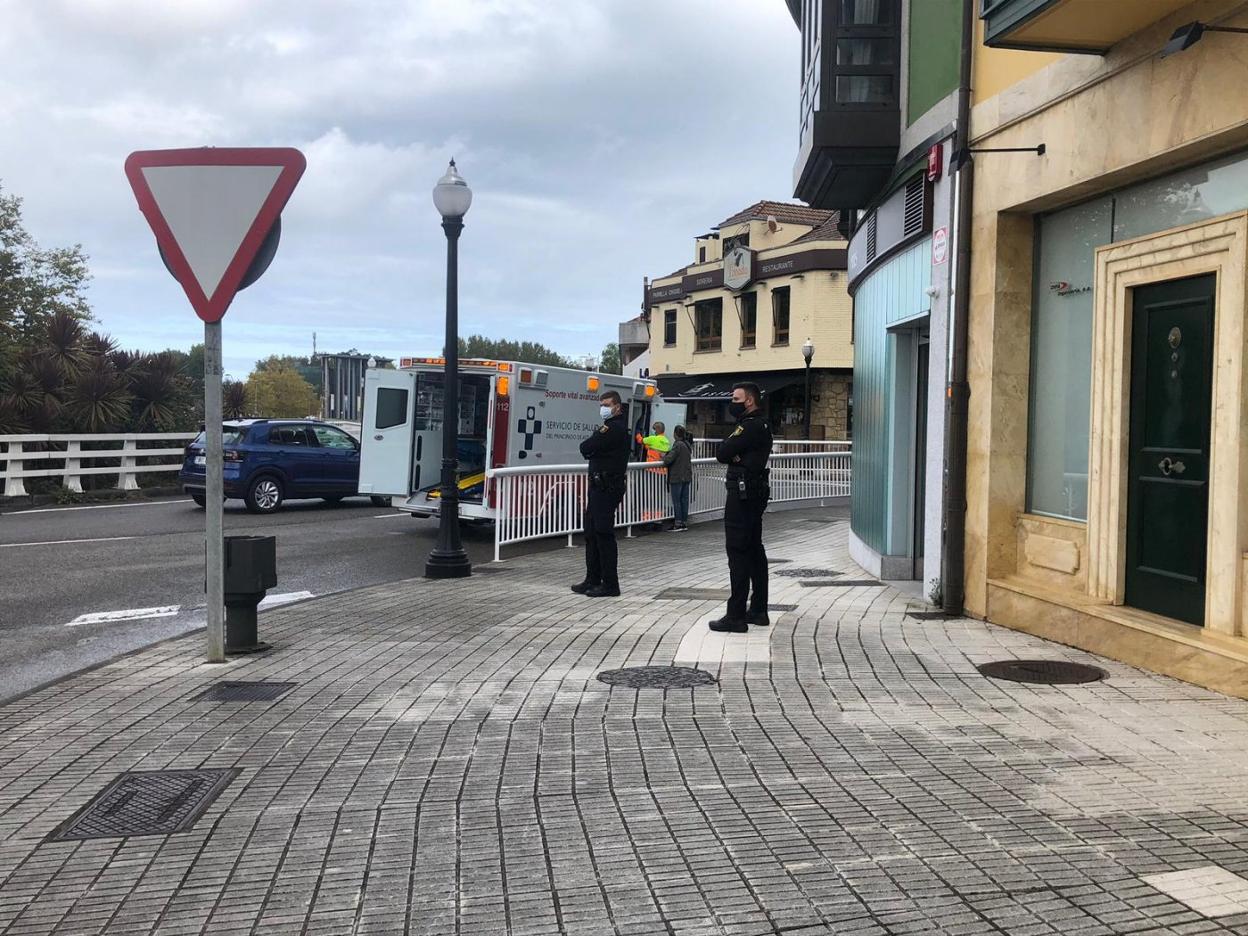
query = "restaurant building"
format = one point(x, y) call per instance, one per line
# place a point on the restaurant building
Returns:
point(764, 284)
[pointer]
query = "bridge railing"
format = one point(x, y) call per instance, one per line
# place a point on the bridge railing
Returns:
point(549, 500)
point(72, 457)
point(705, 448)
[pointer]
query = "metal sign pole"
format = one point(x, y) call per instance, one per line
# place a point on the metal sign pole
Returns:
point(214, 456)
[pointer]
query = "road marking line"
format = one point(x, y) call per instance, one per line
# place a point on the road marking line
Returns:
point(389, 516)
point(98, 539)
point(93, 507)
point(284, 598)
point(132, 614)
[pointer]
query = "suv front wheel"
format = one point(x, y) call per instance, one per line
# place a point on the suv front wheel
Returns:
point(264, 495)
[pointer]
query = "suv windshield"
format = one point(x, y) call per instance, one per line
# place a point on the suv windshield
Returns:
point(231, 435)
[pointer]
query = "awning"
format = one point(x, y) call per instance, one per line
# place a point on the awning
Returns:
point(717, 388)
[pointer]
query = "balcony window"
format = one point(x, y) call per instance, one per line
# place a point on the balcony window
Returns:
point(865, 13)
point(864, 89)
point(669, 328)
point(865, 51)
point(749, 320)
point(780, 315)
point(708, 317)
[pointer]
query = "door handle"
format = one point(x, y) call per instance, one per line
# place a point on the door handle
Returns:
point(1170, 466)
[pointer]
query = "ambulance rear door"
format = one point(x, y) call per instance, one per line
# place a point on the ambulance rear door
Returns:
point(386, 432)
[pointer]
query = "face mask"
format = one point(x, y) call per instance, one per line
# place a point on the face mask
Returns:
point(605, 411)
point(736, 410)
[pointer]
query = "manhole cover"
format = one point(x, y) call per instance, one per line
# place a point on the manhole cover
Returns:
point(929, 615)
point(149, 802)
point(844, 583)
point(806, 573)
point(245, 691)
point(657, 677)
point(701, 594)
point(1048, 672)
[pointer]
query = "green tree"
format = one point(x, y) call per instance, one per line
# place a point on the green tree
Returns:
point(35, 283)
point(530, 352)
point(280, 392)
point(303, 366)
point(609, 362)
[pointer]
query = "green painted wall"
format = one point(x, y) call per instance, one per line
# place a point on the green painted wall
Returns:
point(933, 47)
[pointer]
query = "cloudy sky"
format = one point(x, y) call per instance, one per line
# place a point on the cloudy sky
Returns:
point(599, 137)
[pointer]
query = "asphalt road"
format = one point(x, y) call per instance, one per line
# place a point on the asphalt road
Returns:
point(73, 579)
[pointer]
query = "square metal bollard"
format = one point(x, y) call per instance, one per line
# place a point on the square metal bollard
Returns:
point(250, 571)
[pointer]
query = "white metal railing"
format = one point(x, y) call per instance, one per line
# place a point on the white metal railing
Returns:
point(126, 459)
point(705, 448)
point(548, 500)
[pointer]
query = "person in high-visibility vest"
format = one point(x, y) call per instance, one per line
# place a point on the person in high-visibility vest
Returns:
point(657, 444)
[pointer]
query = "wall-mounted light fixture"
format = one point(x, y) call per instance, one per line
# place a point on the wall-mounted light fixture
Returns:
point(1187, 36)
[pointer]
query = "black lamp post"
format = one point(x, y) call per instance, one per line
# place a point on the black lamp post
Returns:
point(452, 197)
point(808, 352)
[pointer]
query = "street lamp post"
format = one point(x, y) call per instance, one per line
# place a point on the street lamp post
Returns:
point(808, 352)
point(452, 197)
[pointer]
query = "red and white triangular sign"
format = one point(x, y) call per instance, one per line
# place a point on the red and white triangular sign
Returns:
point(210, 210)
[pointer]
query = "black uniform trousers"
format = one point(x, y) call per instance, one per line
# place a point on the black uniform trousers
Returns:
point(601, 553)
point(747, 559)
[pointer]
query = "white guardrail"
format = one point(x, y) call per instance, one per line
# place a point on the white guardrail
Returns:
point(705, 448)
point(548, 500)
point(105, 454)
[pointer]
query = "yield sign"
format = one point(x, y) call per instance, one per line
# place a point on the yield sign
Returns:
point(210, 210)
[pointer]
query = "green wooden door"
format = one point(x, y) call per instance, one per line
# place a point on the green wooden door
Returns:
point(1168, 479)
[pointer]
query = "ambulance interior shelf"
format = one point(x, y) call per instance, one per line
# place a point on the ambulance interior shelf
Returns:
point(474, 402)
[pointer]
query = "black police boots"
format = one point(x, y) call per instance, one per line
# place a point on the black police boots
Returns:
point(582, 587)
point(729, 626)
point(603, 591)
point(759, 619)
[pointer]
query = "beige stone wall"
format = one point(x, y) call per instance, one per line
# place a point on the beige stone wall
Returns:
point(1150, 116)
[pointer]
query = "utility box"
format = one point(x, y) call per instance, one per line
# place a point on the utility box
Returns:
point(250, 571)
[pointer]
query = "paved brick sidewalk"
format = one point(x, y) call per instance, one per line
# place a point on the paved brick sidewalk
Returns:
point(449, 764)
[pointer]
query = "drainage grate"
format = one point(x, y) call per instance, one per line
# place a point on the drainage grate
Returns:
point(771, 561)
point(149, 802)
point(702, 594)
point(930, 615)
point(843, 583)
point(657, 677)
point(807, 573)
point(781, 607)
point(1046, 672)
point(245, 691)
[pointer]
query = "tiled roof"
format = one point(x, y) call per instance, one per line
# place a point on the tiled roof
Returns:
point(785, 212)
point(825, 231)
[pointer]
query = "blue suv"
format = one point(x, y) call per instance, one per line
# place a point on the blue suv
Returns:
point(270, 460)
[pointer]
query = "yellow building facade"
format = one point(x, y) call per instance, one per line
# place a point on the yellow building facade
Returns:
point(1107, 457)
point(708, 329)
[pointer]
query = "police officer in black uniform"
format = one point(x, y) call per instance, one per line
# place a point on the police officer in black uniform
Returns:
point(745, 452)
point(607, 452)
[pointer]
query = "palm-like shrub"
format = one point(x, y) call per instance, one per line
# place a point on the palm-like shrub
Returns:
point(97, 399)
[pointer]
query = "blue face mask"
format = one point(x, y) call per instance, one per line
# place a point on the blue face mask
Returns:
point(606, 411)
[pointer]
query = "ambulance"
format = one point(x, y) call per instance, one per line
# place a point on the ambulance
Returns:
point(511, 414)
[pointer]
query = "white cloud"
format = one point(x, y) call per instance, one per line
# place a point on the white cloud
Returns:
point(599, 137)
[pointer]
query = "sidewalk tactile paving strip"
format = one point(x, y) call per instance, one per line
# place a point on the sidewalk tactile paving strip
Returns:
point(245, 691)
point(699, 594)
point(149, 802)
point(1045, 672)
point(842, 583)
point(657, 677)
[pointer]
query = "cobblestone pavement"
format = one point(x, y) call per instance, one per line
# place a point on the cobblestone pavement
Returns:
point(448, 763)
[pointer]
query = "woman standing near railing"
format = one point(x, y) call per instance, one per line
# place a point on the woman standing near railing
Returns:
point(679, 462)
